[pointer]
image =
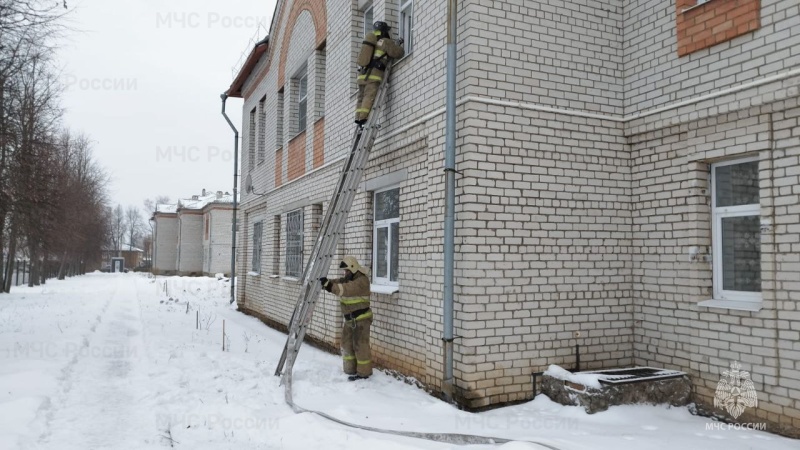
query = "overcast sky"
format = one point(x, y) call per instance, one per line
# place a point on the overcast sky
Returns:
point(144, 79)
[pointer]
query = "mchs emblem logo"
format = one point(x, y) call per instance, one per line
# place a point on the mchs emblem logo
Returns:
point(736, 392)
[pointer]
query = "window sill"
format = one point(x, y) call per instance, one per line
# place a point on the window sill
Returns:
point(299, 133)
point(253, 274)
point(753, 305)
point(404, 58)
point(290, 279)
point(383, 289)
point(274, 276)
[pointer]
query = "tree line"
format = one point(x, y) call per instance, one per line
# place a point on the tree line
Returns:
point(53, 203)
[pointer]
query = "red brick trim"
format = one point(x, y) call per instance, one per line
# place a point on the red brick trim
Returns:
point(279, 167)
point(319, 143)
point(297, 157)
point(714, 22)
point(318, 15)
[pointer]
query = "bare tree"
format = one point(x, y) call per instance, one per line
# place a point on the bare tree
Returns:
point(118, 228)
point(134, 225)
point(52, 194)
point(150, 206)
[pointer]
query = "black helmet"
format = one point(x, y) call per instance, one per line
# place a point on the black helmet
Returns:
point(383, 27)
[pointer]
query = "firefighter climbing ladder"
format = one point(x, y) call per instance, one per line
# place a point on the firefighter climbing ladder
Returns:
point(319, 262)
point(332, 227)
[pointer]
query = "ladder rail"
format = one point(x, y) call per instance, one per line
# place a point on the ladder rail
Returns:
point(331, 228)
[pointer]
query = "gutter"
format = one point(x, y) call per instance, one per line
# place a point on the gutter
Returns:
point(224, 98)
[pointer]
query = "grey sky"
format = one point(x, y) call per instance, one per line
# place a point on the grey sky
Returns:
point(143, 80)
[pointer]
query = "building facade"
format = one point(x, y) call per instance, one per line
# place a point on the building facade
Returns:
point(217, 232)
point(627, 181)
point(165, 237)
point(193, 237)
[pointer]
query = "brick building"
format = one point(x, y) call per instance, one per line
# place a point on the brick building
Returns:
point(193, 237)
point(627, 170)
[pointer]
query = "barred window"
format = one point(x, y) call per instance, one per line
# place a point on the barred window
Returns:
point(258, 229)
point(294, 244)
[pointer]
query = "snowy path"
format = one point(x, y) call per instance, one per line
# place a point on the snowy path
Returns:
point(115, 361)
point(100, 403)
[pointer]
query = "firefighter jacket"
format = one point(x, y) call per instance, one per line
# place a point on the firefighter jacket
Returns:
point(376, 53)
point(353, 294)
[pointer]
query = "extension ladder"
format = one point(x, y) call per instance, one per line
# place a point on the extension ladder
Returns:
point(332, 227)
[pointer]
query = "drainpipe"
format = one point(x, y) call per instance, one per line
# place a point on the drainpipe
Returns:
point(235, 184)
point(450, 200)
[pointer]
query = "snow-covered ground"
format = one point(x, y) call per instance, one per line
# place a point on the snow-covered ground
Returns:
point(109, 361)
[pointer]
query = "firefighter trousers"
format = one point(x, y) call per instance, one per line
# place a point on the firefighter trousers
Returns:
point(366, 97)
point(356, 354)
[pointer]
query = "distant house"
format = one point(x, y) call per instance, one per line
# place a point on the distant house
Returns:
point(133, 256)
point(193, 237)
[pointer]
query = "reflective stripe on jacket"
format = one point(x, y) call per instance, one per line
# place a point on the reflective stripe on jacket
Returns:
point(353, 294)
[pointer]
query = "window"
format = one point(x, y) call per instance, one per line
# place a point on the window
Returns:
point(386, 235)
point(251, 144)
point(262, 125)
point(279, 122)
point(302, 101)
point(407, 24)
point(208, 224)
point(294, 244)
point(736, 233)
point(369, 19)
point(258, 229)
point(276, 245)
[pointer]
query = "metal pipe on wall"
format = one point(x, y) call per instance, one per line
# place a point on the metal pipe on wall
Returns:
point(450, 189)
point(235, 184)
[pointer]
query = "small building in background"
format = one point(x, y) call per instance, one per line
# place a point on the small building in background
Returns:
point(193, 237)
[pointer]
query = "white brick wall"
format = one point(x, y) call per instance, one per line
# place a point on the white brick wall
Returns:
point(166, 245)
point(190, 243)
point(217, 247)
point(575, 219)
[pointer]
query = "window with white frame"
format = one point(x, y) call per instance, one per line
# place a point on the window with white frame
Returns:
point(407, 24)
point(736, 232)
point(386, 235)
point(294, 244)
point(258, 230)
point(302, 101)
point(369, 19)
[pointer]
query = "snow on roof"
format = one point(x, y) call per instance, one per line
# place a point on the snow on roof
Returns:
point(166, 208)
point(201, 201)
point(122, 248)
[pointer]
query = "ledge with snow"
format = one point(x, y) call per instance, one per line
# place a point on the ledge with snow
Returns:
point(596, 390)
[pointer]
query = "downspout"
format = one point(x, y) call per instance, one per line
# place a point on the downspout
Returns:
point(450, 200)
point(235, 184)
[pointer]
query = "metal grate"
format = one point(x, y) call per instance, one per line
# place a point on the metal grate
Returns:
point(636, 375)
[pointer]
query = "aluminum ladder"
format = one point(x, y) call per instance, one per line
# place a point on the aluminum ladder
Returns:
point(332, 227)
